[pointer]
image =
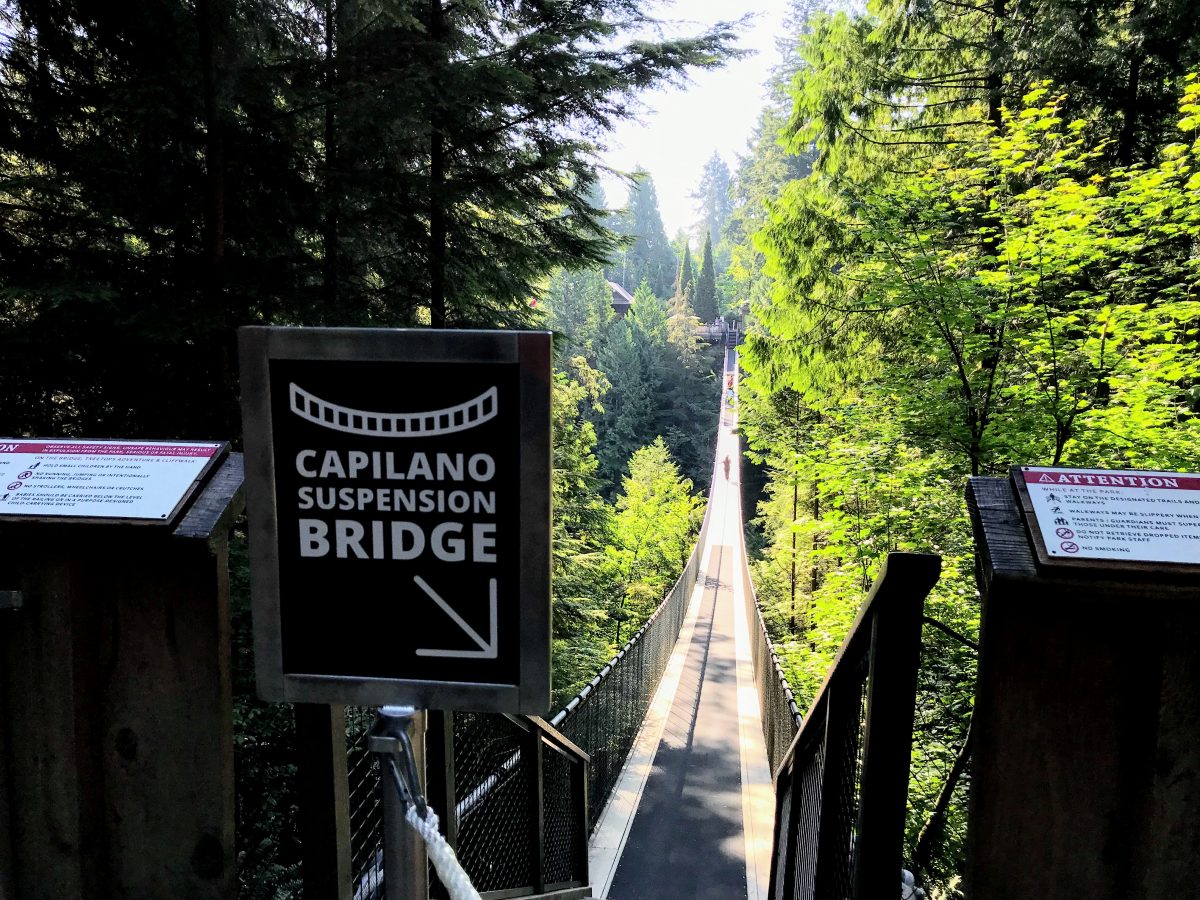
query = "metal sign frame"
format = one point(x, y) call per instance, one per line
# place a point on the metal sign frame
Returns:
point(531, 352)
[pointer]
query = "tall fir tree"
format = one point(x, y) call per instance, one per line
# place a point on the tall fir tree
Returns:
point(705, 302)
point(714, 201)
point(647, 254)
point(579, 308)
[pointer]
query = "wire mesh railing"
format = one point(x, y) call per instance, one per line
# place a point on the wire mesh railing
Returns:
point(510, 792)
point(366, 804)
point(842, 785)
point(605, 716)
point(517, 820)
point(781, 717)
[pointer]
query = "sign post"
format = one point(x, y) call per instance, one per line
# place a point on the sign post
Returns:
point(1086, 729)
point(399, 501)
point(116, 738)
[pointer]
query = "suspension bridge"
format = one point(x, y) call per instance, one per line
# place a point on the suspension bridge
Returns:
point(657, 780)
point(683, 769)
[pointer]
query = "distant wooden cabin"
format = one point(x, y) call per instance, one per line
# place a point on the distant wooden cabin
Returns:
point(621, 300)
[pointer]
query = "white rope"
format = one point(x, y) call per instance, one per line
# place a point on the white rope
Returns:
point(448, 867)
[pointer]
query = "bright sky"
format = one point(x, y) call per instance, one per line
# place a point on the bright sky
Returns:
point(679, 128)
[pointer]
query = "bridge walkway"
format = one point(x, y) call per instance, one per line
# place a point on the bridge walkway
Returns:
point(692, 814)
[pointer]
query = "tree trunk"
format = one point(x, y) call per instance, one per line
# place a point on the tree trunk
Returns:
point(795, 514)
point(997, 63)
point(330, 227)
point(437, 177)
point(211, 22)
point(1127, 143)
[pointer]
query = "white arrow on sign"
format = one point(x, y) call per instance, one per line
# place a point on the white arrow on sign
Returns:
point(487, 649)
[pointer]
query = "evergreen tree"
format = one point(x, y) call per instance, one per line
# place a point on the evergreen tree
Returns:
point(582, 527)
point(579, 307)
point(170, 168)
point(705, 301)
point(687, 274)
point(712, 193)
point(656, 521)
point(649, 314)
point(648, 255)
point(635, 366)
point(682, 323)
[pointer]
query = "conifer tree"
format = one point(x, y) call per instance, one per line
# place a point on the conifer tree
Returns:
point(172, 168)
point(714, 204)
point(705, 301)
point(687, 272)
point(648, 254)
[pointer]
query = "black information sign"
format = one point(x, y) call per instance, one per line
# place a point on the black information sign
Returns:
point(398, 485)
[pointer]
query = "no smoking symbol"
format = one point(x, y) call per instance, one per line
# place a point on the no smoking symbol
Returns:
point(1070, 546)
point(1065, 533)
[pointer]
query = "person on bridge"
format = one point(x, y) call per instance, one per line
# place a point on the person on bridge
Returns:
point(726, 468)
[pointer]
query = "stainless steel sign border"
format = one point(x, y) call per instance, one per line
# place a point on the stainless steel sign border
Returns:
point(531, 352)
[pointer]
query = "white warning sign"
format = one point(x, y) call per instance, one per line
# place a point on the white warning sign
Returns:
point(1116, 515)
point(74, 479)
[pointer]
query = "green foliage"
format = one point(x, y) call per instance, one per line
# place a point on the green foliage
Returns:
point(657, 519)
point(169, 171)
point(662, 384)
point(612, 564)
point(579, 309)
point(971, 278)
point(705, 300)
point(686, 279)
point(581, 529)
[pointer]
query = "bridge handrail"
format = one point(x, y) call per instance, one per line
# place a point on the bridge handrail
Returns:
point(781, 717)
point(841, 789)
point(689, 574)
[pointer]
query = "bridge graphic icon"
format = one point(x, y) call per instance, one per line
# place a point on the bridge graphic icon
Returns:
point(423, 424)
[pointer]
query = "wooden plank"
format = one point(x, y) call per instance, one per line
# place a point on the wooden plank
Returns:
point(218, 504)
point(887, 745)
point(37, 655)
point(119, 715)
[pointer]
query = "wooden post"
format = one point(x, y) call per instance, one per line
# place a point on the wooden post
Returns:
point(1086, 776)
point(895, 658)
point(115, 690)
point(440, 783)
point(324, 789)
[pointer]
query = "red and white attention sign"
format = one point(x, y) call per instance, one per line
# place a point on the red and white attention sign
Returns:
point(1100, 514)
point(98, 479)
